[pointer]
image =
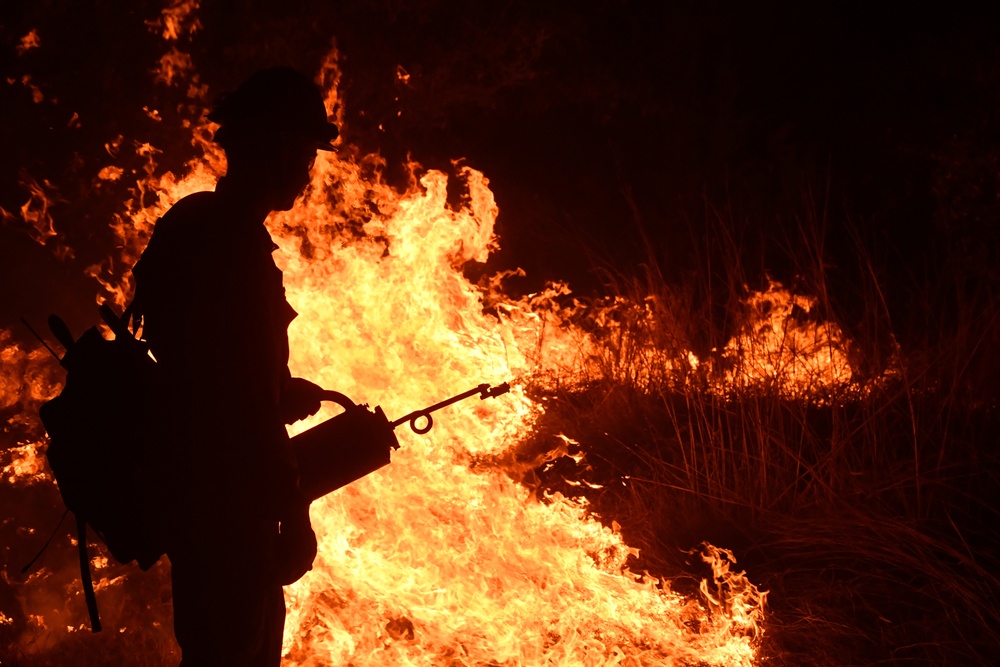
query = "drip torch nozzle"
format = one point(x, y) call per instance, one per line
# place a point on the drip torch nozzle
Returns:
point(492, 392)
point(484, 391)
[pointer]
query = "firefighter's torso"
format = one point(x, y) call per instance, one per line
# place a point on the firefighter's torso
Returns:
point(216, 318)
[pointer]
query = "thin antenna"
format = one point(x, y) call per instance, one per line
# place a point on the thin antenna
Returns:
point(40, 339)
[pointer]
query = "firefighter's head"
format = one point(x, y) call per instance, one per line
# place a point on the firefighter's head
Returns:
point(271, 127)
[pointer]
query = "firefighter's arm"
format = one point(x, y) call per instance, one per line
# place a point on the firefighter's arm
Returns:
point(299, 399)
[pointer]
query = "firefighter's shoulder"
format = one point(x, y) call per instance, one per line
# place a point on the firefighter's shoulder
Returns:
point(189, 210)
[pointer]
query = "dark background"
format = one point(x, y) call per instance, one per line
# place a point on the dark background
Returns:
point(836, 135)
point(611, 132)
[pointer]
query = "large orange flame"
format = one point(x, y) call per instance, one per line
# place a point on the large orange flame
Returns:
point(435, 560)
point(439, 558)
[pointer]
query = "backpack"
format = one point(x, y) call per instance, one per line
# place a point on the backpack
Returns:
point(106, 459)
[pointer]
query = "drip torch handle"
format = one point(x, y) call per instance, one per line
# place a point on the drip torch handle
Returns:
point(484, 391)
point(340, 399)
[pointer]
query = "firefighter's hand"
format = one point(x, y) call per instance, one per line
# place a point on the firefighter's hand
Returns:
point(300, 399)
point(296, 546)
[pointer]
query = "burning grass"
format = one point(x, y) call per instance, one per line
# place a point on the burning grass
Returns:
point(863, 502)
point(852, 479)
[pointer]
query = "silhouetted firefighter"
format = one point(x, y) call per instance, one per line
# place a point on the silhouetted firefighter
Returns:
point(189, 455)
point(213, 311)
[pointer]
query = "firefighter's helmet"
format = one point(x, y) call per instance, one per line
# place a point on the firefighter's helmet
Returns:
point(275, 101)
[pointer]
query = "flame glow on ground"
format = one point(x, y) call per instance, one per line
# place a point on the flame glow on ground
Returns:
point(437, 559)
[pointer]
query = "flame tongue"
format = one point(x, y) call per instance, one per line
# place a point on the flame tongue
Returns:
point(430, 561)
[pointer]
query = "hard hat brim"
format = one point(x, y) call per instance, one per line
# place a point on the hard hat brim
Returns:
point(326, 135)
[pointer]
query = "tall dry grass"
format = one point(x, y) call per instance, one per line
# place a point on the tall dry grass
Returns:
point(866, 510)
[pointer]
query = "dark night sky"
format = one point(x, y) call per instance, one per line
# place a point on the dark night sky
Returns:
point(595, 122)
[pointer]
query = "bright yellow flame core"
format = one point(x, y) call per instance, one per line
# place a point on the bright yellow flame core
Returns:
point(434, 560)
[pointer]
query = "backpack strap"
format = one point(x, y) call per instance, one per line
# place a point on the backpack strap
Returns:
point(88, 582)
point(45, 546)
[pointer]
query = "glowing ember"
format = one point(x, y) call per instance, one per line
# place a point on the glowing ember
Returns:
point(26, 465)
point(30, 41)
point(177, 20)
point(35, 212)
point(28, 377)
